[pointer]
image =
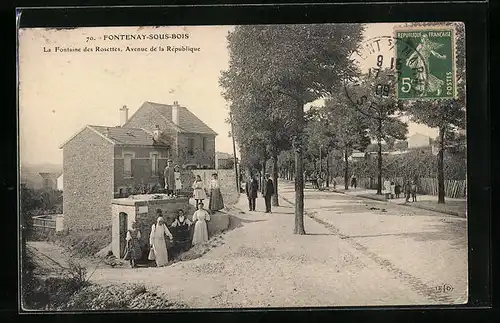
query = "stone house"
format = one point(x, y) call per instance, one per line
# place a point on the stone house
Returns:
point(419, 140)
point(101, 163)
point(192, 141)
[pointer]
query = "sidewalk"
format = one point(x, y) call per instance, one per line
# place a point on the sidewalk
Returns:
point(456, 207)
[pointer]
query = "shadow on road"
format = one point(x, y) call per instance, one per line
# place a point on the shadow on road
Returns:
point(237, 222)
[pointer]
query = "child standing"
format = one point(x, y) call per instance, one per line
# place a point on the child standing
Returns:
point(178, 183)
point(133, 250)
point(198, 191)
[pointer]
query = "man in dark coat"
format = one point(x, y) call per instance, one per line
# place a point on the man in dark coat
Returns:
point(252, 187)
point(169, 176)
point(268, 192)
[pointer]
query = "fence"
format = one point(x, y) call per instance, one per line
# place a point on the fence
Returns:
point(50, 222)
point(426, 185)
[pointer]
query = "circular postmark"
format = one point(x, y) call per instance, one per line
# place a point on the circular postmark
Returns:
point(380, 61)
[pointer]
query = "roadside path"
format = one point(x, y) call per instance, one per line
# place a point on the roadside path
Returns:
point(425, 249)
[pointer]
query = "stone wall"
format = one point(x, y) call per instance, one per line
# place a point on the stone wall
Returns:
point(88, 181)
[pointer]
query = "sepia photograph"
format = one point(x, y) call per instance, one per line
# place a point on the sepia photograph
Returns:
point(242, 166)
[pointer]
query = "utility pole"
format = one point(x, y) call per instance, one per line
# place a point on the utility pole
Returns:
point(234, 153)
point(320, 160)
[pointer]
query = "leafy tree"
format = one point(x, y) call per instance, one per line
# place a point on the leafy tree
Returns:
point(448, 116)
point(373, 97)
point(302, 62)
point(349, 127)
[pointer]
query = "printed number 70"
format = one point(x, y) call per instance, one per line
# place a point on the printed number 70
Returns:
point(406, 82)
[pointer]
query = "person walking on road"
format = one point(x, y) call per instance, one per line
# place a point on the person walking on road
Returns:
point(397, 190)
point(268, 192)
point(354, 181)
point(251, 188)
point(407, 190)
point(413, 189)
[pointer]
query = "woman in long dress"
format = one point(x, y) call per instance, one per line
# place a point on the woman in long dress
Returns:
point(157, 241)
point(198, 191)
point(178, 182)
point(216, 202)
point(133, 251)
point(200, 217)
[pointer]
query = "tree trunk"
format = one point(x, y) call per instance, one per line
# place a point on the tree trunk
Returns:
point(441, 191)
point(346, 170)
point(275, 179)
point(299, 171)
point(262, 178)
point(379, 186)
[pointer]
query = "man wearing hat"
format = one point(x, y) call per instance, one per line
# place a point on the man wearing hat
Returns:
point(169, 175)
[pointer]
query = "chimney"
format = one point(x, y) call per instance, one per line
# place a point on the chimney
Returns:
point(175, 113)
point(156, 133)
point(123, 115)
point(107, 131)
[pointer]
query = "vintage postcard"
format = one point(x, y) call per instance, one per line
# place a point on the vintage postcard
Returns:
point(256, 166)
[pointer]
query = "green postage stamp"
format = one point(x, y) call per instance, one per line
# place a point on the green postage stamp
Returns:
point(426, 66)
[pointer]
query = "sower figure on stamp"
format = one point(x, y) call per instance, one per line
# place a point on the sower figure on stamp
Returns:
point(169, 176)
point(251, 188)
point(268, 192)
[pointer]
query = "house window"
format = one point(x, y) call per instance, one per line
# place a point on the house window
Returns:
point(190, 147)
point(154, 164)
point(127, 165)
point(204, 143)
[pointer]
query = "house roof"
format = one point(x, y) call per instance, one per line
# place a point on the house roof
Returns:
point(125, 136)
point(188, 122)
point(50, 175)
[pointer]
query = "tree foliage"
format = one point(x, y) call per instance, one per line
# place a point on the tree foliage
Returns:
point(300, 62)
point(448, 115)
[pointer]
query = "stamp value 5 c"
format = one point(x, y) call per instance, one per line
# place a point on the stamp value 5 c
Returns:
point(428, 66)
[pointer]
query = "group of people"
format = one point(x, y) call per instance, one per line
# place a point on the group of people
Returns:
point(173, 187)
point(215, 201)
point(394, 190)
point(179, 234)
point(252, 189)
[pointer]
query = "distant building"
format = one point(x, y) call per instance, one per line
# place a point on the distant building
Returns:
point(101, 162)
point(357, 156)
point(49, 180)
point(419, 140)
point(224, 160)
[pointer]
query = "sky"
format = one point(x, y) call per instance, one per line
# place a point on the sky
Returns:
point(60, 92)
